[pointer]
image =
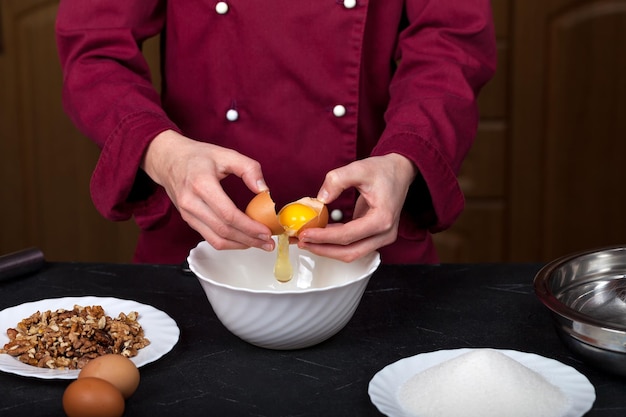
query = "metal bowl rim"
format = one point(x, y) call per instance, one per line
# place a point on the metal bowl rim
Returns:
point(546, 296)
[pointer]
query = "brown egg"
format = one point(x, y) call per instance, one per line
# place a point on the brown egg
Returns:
point(92, 397)
point(303, 214)
point(263, 209)
point(116, 369)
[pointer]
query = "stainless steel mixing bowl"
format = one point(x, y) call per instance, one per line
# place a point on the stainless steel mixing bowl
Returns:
point(586, 293)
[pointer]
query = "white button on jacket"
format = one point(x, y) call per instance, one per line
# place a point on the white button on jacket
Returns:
point(222, 7)
point(336, 215)
point(232, 115)
point(339, 110)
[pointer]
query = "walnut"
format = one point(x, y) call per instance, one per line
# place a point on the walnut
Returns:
point(70, 338)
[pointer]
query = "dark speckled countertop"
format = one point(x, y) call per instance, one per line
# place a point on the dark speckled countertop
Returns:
point(406, 310)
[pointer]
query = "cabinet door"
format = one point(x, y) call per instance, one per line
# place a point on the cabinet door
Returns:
point(568, 149)
point(479, 233)
point(45, 164)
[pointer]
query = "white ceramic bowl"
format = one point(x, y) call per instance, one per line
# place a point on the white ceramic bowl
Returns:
point(316, 304)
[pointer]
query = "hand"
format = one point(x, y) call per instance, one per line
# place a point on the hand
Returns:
point(383, 183)
point(191, 171)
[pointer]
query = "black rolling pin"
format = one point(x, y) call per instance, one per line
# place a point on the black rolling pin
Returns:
point(21, 262)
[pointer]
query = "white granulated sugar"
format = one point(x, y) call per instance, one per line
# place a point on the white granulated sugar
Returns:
point(481, 383)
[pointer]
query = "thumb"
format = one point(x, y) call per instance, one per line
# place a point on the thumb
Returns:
point(333, 185)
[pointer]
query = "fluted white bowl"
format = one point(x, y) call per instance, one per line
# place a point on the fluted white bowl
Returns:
point(316, 304)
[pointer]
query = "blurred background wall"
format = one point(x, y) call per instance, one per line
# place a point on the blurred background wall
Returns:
point(544, 178)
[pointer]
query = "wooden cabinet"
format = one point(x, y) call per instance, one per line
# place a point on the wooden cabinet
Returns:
point(45, 164)
point(568, 136)
point(544, 178)
point(480, 231)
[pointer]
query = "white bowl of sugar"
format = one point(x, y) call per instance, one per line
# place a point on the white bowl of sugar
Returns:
point(480, 383)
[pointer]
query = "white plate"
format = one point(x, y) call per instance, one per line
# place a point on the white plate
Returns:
point(158, 327)
point(384, 386)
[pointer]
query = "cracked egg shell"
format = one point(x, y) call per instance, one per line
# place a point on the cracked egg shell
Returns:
point(263, 209)
point(302, 214)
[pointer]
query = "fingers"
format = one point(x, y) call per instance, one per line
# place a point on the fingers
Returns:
point(195, 189)
point(352, 240)
point(341, 249)
point(382, 183)
point(245, 168)
point(222, 224)
point(338, 180)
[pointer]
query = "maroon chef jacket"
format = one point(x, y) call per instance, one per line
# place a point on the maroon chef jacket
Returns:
point(314, 84)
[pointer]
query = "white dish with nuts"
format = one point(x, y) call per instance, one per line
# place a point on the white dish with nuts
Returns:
point(159, 328)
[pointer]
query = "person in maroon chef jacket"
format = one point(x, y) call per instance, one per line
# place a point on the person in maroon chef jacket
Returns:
point(369, 105)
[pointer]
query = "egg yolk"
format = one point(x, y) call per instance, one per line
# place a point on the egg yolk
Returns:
point(296, 215)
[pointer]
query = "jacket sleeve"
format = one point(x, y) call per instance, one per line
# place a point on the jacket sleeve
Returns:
point(445, 54)
point(108, 94)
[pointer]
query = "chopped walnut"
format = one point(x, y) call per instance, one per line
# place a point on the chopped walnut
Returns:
point(68, 339)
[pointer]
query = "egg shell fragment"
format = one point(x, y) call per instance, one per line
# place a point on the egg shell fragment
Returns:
point(321, 220)
point(116, 369)
point(92, 397)
point(263, 209)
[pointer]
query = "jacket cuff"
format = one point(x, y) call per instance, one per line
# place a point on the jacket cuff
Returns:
point(119, 188)
point(435, 199)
